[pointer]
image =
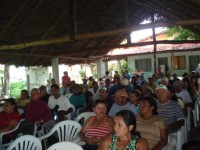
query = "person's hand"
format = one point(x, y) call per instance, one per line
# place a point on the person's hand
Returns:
point(61, 115)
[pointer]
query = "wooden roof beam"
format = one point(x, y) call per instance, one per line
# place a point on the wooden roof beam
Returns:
point(64, 39)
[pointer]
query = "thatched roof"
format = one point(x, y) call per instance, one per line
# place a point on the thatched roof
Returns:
point(32, 32)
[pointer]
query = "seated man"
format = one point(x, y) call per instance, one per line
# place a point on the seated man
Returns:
point(78, 98)
point(121, 103)
point(171, 112)
point(60, 101)
point(35, 112)
point(58, 104)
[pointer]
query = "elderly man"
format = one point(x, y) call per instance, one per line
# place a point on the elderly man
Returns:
point(171, 112)
point(121, 103)
point(35, 112)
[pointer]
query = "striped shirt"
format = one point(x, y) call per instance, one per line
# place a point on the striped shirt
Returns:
point(170, 111)
point(99, 131)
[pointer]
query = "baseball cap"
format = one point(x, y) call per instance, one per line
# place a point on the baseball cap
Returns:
point(161, 86)
point(124, 81)
point(103, 88)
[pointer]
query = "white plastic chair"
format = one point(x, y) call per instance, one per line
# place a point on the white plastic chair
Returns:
point(196, 112)
point(65, 145)
point(1, 109)
point(84, 116)
point(20, 111)
point(26, 142)
point(66, 130)
point(3, 146)
point(180, 138)
point(70, 115)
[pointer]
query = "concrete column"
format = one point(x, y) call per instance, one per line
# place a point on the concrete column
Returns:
point(100, 68)
point(55, 70)
point(28, 83)
point(106, 65)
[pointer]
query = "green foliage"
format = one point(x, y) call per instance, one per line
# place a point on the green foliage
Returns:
point(181, 33)
point(16, 87)
point(82, 73)
point(124, 64)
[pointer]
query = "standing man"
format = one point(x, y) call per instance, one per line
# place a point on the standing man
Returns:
point(66, 78)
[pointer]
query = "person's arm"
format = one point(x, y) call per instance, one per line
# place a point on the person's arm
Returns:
point(106, 141)
point(83, 130)
point(142, 144)
point(163, 140)
point(176, 124)
point(11, 125)
point(110, 124)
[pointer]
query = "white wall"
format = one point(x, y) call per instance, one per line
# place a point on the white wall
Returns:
point(132, 59)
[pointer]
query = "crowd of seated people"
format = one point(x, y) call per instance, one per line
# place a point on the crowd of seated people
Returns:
point(158, 105)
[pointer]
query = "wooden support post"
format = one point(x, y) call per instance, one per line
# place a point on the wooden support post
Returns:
point(154, 43)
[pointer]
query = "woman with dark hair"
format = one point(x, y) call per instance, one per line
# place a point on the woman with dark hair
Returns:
point(150, 125)
point(9, 118)
point(24, 99)
point(97, 127)
point(134, 98)
point(126, 137)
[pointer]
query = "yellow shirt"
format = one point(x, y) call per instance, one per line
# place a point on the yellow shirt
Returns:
point(22, 103)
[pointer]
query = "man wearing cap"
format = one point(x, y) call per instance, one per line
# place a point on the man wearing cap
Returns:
point(171, 112)
point(104, 96)
point(121, 103)
point(182, 93)
point(124, 83)
point(165, 81)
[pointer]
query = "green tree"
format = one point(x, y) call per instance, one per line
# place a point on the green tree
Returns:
point(181, 33)
point(16, 87)
point(124, 64)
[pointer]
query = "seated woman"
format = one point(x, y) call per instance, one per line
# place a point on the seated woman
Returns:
point(9, 118)
point(150, 125)
point(24, 99)
point(134, 98)
point(125, 137)
point(96, 127)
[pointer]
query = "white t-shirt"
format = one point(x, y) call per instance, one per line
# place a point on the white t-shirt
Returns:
point(184, 94)
point(62, 102)
point(95, 95)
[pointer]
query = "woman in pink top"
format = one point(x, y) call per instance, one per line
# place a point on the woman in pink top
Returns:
point(97, 127)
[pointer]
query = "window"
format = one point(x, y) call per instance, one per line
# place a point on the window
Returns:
point(144, 64)
point(178, 62)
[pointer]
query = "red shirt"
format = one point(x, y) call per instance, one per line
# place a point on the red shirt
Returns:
point(6, 118)
point(67, 79)
point(36, 110)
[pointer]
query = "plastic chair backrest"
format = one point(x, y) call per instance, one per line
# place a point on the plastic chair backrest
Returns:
point(65, 145)
point(4, 133)
point(69, 116)
point(67, 130)
point(20, 111)
point(26, 142)
point(196, 112)
point(84, 116)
